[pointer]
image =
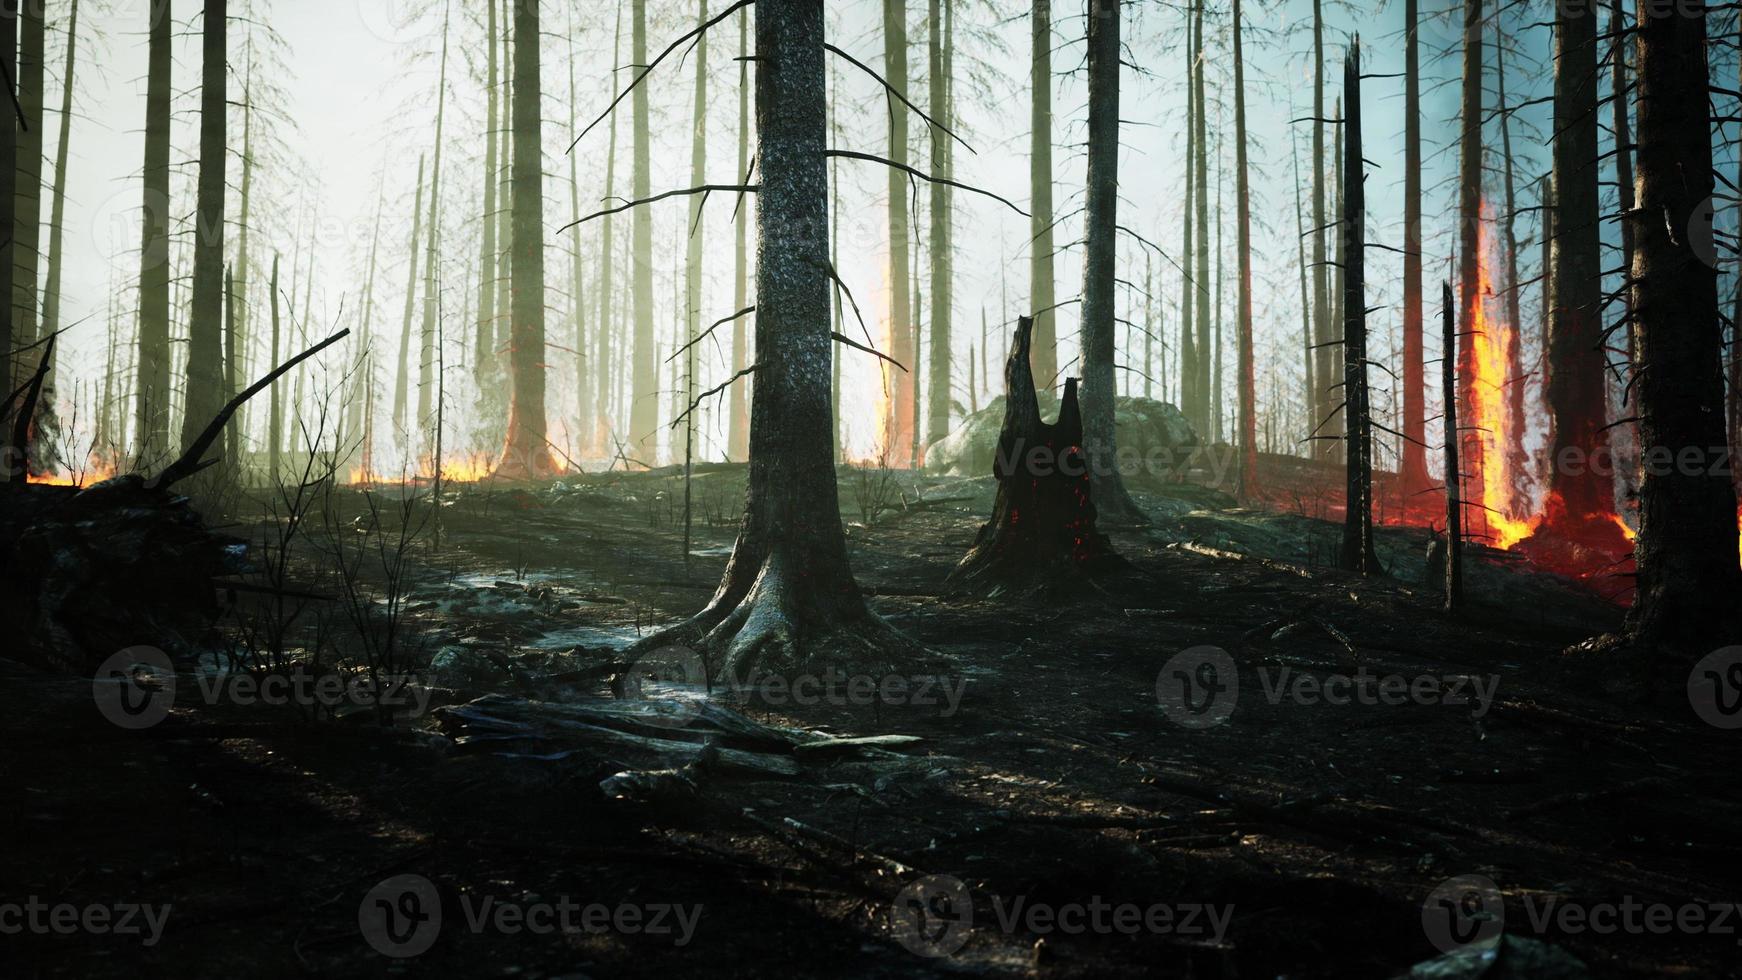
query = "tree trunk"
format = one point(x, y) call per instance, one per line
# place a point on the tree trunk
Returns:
point(362, 419)
point(428, 337)
point(1412, 475)
point(937, 413)
point(484, 342)
point(1336, 426)
point(609, 353)
point(51, 297)
point(151, 390)
point(1309, 394)
point(787, 600)
point(1358, 553)
point(526, 452)
point(1100, 256)
point(275, 411)
point(1042, 290)
point(738, 416)
point(693, 264)
point(1188, 283)
point(31, 79)
point(9, 335)
point(236, 347)
point(1454, 478)
point(205, 373)
point(1623, 152)
point(1248, 486)
point(644, 375)
point(899, 430)
point(1579, 495)
point(1517, 460)
point(1324, 397)
point(1469, 232)
point(1201, 183)
point(1042, 536)
point(1688, 576)
point(584, 418)
point(402, 377)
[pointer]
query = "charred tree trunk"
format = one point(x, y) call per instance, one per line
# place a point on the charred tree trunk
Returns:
point(1324, 397)
point(1454, 479)
point(1042, 535)
point(787, 599)
point(1100, 256)
point(26, 228)
point(1248, 398)
point(1688, 576)
point(275, 413)
point(1578, 494)
point(1358, 553)
point(151, 390)
point(204, 392)
point(1042, 292)
point(1413, 469)
point(526, 453)
point(1309, 391)
point(737, 416)
point(8, 178)
point(1513, 447)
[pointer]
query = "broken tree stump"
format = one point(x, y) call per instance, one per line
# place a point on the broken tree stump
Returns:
point(1042, 535)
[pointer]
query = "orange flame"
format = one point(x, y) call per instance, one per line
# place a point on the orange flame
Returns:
point(1490, 419)
point(95, 473)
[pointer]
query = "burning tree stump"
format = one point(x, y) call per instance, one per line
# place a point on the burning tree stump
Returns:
point(1042, 534)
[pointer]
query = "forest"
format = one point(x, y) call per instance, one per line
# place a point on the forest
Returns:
point(871, 488)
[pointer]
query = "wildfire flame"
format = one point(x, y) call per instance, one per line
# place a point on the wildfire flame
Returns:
point(95, 473)
point(1491, 421)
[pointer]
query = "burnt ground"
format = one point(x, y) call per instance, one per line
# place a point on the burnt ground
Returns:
point(1059, 780)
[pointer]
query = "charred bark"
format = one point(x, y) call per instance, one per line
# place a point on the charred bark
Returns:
point(1358, 550)
point(1042, 536)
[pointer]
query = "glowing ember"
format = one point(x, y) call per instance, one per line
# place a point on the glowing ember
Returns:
point(1488, 415)
point(78, 478)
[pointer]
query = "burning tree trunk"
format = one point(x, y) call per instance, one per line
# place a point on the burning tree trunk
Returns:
point(526, 454)
point(1688, 577)
point(1099, 259)
point(1513, 446)
point(1042, 535)
point(1042, 296)
point(1469, 302)
point(788, 598)
point(1358, 554)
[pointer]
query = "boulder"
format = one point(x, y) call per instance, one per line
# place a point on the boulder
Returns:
point(1141, 424)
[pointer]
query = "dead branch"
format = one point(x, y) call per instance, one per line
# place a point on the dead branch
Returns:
point(856, 63)
point(722, 15)
point(703, 189)
point(850, 342)
point(873, 158)
point(746, 311)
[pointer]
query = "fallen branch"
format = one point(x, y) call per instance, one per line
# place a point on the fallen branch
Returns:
point(190, 462)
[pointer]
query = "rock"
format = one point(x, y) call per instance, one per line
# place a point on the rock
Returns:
point(1151, 428)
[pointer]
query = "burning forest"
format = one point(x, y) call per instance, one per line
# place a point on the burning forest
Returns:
point(870, 488)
